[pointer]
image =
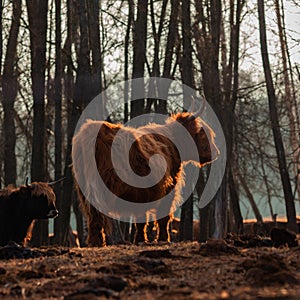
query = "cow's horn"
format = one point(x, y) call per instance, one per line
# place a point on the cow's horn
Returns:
point(55, 182)
point(191, 108)
point(26, 182)
point(199, 112)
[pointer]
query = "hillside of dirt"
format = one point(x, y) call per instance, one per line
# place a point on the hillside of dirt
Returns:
point(214, 270)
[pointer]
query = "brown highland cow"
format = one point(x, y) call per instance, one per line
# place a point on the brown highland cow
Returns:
point(145, 146)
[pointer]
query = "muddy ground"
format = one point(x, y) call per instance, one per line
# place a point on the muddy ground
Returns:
point(214, 270)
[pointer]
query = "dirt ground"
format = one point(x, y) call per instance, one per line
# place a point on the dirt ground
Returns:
point(214, 270)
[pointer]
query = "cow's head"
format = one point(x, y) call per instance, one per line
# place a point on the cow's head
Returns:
point(202, 134)
point(40, 200)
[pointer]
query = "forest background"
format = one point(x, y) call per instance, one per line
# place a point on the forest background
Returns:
point(57, 55)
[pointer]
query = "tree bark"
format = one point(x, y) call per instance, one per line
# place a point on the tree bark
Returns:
point(209, 31)
point(1, 36)
point(204, 212)
point(65, 61)
point(231, 84)
point(139, 53)
point(289, 97)
point(207, 36)
point(1, 94)
point(130, 20)
point(187, 74)
point(10, 90)
point(264, 174)
point(155, 72)
point(82, 96)
point(255, 209)
point(37, 14)
point(58, 112)
point(169, 53)
point(234, 198)
point(286, 184)
point(95, 45)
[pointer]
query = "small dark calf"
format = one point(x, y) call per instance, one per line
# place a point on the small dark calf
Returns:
point(19, 207)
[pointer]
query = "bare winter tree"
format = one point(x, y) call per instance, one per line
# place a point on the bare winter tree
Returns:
point(187, 212)
point(289, 93)
point(37, 15)
point(1, 54)
point(1, 36)
point(58, 111)
point(219, 60)
point(286, 184)
point(10, 90)
point(207, 33)
point(139, 52)
point(130, 20)
point(172, 39)
point(82, 90)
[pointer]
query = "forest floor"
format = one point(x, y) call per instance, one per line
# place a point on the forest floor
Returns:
point(187, 270)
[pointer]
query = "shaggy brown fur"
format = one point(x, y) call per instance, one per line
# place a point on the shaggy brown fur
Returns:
point(145, 146)
point(19, 207)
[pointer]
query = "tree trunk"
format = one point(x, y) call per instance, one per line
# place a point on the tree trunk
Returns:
point(126, 55)
point(186, 225)
point(37, 14)
point(288, 97)
point(287, 189)
point(203, 212)
point(65, 213)
point(265, 178)
point(82, 96)
point(66, 60)
point(94, 39)
point(155, 72)
point(234, 198)
point(187, 67)
point(139, 53)
point(207, 37)
point(257, 214)
point(58, 113)
point(187, 74)
point(169, 52)
point(231, 84)
point(1, 36)
point(10, 90)
point(1, 94)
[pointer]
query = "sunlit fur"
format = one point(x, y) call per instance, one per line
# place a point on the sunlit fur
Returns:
point(36, 189)
point(142, 149)
point(43, 189)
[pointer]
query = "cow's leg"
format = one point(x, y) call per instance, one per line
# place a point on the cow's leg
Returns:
point(95, 234)
point(96, 226)
point(94, 221)
point(140, 233)
point(151, 231)
point(163, 229)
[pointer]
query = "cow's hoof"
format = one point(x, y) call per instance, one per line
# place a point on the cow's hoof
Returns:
point(142, 244)
point(163, 242)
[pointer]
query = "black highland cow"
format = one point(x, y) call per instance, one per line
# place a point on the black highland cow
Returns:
point(19, 207)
